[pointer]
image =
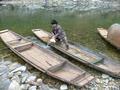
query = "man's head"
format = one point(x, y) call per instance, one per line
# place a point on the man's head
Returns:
point(54, 22)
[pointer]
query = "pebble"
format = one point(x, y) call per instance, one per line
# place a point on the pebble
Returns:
point(16, 78)
point(31, 79)
point(39, 81)
point(13, 66)
point(98, 81)
point(18, 73)
point(33, 88)
point(25, 86)
point(24, 79)
point(22, 69)
point(104, 76)
point(63, 87)
point(10, 75)
point(44, 87)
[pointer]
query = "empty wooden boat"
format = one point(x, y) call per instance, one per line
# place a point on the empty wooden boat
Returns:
point(84, 55)
point(45, 60)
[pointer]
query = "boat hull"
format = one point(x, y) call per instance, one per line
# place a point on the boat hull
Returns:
point(45, 60)
point(101, 62)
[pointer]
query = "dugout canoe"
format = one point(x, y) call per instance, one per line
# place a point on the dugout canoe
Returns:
point(84, 55)
point(45, 60)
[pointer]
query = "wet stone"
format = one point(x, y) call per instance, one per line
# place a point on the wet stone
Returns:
point(63, 87)
point(4, 83)
point(98, 81)
point(24, 79)
point(22, 69)
point(16, 78)
point(10, 75)
point(14, 86)
point(25, 86)
point(44, 87)
point(18, 73)
point(31, 79)
point(3, 69)
point(13, 66)
point(104, 76)
point(33, 88)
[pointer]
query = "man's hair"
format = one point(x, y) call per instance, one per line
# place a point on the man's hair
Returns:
point(54, 22)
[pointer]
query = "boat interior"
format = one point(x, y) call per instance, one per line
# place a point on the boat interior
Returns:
point(73, 50)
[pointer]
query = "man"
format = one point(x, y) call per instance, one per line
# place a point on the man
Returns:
point(59, 34)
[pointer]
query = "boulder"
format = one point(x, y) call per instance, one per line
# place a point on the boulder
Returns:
point(114, 34)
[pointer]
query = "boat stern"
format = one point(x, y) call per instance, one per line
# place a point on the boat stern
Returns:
point(85, 80)
point(3, 31)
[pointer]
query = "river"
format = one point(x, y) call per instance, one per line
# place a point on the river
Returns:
point(80, 26)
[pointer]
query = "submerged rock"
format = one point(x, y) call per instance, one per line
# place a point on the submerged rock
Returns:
point(33, 88)
point(3, 69)
point(25, 86)
point(14, 86)
point(4, 83)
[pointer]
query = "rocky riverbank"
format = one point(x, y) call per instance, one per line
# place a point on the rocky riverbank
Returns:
point(81, 5)
point(15, 76)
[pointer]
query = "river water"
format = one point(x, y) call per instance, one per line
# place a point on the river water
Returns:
point(80, 27)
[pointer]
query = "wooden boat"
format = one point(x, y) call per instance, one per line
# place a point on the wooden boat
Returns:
point(104, 34)
point(45, 60)
point(84, 55)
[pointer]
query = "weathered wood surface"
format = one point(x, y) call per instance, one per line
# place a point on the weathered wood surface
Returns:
point(87, 57)
point(103, 32)
point(45, 60)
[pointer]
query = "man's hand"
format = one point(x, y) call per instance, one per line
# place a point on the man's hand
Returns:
point(52, 40)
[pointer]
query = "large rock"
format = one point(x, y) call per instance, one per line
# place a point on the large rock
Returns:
point(114, 34)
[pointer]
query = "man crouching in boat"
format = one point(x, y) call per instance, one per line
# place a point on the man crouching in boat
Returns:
point(58, 35)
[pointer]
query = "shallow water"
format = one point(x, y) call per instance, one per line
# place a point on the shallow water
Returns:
point(79, 26)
